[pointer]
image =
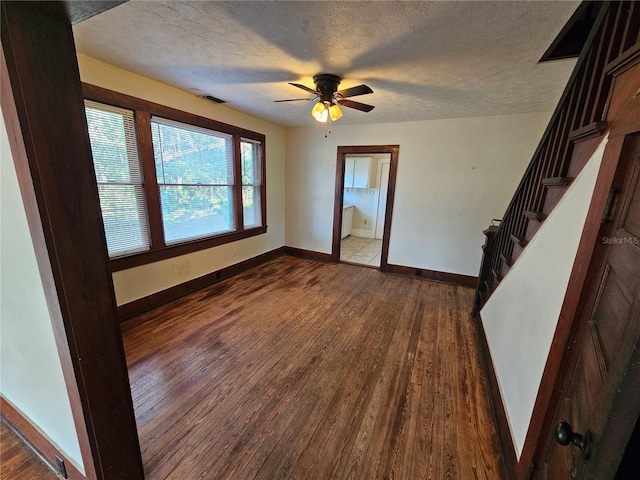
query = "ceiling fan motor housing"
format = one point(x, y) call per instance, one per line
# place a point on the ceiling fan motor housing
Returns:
point(326, 85)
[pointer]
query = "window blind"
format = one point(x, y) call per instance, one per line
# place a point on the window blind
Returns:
point(116, 162)
point(194, 169)
point(250, 152)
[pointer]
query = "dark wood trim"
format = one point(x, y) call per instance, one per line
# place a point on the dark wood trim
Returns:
point(566, 94)
point(150, 256)
point(309, 254)
point(624, 61)
point(587, 132)
point(507, 448)
point(555, 369)
point(505, 260)
point(338, 208)
point(394, 151)
point(520, 240)
point(556, 181)
point(538, 216)
point(150, 179)
point(33, 438)
point(131, 309)
point(549, 158)
point(263, 181)
point(144, 110)
point(104, 95)
point(434, 275)
point(237, 180)
point(43, 107)
point(624, 122)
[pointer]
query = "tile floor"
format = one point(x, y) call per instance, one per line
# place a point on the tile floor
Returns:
point(364, 251)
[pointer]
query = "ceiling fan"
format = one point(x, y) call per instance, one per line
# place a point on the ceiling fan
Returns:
point(330, 98)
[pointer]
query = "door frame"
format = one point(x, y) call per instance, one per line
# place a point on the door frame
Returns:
point(338, 203)
point(381, 164)
point(49, 142)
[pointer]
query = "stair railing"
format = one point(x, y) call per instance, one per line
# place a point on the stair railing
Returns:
point(578, 115)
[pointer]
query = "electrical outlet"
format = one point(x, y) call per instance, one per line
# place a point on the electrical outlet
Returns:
point(62, 470)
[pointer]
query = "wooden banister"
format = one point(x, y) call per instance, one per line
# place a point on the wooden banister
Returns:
point(578, 115)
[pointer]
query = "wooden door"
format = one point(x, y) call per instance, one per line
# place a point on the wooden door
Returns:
point(600, 394)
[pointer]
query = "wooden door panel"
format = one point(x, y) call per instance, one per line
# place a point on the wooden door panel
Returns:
point(609, 319)
point(605, 342)
point(623, 258)
point(559, 459)
point(631, 213)
point(585, 387)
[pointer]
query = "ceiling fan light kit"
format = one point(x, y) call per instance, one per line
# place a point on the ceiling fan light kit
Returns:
point(335, 113)
point(327, 108)
point(322, 111)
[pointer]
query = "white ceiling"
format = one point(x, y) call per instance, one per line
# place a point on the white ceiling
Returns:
point(423, 60)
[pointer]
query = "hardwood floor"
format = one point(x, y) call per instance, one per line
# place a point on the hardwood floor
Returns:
point(298, 370)
point(17, 462)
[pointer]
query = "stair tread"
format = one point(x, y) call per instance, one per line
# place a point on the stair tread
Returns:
point(496, 275)
point(556, 181)
point(506, 260)
point(519, 239)
point(539, 216)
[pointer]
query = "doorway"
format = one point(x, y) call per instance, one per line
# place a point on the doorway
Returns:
point(363, 205)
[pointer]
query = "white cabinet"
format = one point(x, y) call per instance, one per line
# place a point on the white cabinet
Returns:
point(347, 221)
point(358, 173)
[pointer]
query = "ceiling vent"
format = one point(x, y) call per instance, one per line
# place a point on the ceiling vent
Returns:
point(213, 99)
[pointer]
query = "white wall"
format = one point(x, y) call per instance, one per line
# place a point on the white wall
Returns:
point(520, 317)
point(145, 280)
point(454, 176)
point(31, 376)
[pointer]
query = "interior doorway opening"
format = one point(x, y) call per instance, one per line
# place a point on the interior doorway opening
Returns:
point(364, 191)
point(364, 204)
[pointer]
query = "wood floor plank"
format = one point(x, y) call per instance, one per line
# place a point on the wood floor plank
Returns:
point(299, 370)
point(17, 461)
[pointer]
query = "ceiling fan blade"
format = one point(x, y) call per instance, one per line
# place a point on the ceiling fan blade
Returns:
point(294, 100)
point(303, 87)
point(357, 105)
point(354, 91)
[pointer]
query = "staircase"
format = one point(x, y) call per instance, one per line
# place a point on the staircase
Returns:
point(565, 145)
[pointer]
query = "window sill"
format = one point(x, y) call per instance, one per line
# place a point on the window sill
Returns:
point(151, 256)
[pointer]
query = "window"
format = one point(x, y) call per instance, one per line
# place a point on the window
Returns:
point(194, 169)
point(251, 182)
point(117, 164)
point(171, 182)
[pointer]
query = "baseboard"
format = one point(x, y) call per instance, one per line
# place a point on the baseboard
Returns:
point(308, 254)
point(509, 459)
point(131, 309)
point(433, 275)
point(36, 441)
point(144, 304)
point(362, 233)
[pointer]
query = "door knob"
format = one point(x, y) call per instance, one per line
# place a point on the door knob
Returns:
point(565, 435)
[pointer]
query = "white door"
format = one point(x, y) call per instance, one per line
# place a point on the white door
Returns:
point(382, 198)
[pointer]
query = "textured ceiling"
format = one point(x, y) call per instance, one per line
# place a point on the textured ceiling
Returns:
point(423, 60)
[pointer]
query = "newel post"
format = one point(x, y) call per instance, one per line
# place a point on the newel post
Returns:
point(485, 267)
